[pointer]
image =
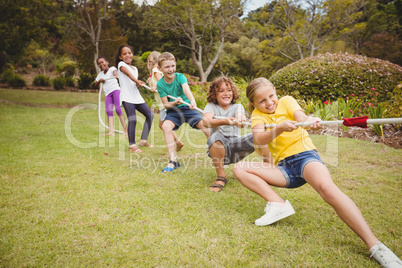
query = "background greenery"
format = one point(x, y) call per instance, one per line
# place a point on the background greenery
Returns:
point(64, 205)
point(66, 36)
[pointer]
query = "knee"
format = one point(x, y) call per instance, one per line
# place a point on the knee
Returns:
point(166, 128)
point(109, 113)
point(238, 170)
point(329, 191)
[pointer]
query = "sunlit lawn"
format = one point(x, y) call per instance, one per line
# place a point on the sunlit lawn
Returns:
point(71, 197)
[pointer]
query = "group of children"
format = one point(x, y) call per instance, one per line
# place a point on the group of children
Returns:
point(289, 156)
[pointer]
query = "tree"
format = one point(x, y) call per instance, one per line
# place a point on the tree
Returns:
point(202, 26)
point(299, 29)
point(24, 20)
point(90, 19)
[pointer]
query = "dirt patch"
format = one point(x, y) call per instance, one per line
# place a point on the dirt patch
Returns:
point(392, 134)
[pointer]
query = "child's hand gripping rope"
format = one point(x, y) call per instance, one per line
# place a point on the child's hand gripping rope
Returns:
point(216, 117)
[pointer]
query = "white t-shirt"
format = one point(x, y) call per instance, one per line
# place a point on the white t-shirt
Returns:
point(231, 111)
point(129, 91)
point(110, 83)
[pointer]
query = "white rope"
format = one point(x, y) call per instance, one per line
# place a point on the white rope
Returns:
point(99, 106)
point(376, 121)
point(202, 112)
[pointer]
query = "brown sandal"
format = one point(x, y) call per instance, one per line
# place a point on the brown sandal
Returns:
point(218, 185)
point(135, 149)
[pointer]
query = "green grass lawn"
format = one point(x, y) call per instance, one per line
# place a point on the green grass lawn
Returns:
point(71, 197)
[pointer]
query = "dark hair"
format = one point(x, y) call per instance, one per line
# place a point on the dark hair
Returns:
point(215, 86)
point(101, 57)
point(119, 52)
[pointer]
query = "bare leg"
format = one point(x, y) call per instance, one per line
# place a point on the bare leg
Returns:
point(111, 126)
point(258, 177)
point(217, 153)
point(123, 123)
point(179, 143)
point(167, 128)
point(204, 130)
point(317, 175)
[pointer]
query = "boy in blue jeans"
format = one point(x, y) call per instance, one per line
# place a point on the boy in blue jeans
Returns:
point(176, 85)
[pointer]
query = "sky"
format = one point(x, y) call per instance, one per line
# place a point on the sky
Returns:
point(254, 4)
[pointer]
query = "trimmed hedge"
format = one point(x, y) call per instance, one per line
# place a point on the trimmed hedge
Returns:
point(331, 76)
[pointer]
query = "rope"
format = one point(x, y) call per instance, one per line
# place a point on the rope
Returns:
point(202, 112)
point(376, 121)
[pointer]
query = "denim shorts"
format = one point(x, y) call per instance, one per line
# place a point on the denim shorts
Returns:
point(183, 114)
point(292, 167)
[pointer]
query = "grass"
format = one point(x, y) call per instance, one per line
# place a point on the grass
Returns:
point(70, 197)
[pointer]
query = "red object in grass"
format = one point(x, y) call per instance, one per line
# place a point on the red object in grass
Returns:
point(355, 122)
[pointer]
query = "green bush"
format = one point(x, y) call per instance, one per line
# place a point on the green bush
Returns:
point(68, 67)
point(16, 80)
point(41, 80)
point(70, 82)
point(85, 81)
point(331, 76)
point(59, 82)
point(7, 74)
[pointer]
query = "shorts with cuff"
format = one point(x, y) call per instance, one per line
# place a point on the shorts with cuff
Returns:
point(183, 114)
point(292, 167)
point(162, 114)
point(236, 148)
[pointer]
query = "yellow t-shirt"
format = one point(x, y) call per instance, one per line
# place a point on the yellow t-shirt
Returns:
point(288, 143)
point(153, 81)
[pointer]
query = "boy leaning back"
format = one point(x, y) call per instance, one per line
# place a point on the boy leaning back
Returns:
point(176, 85)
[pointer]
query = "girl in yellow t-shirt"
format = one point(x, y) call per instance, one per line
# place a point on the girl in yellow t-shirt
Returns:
point(296, 163)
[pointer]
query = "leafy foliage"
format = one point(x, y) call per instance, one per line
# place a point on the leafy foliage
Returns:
point(41, 80)
point(331, 76)
point(85, 81)
point(16, 80)
point(59, 82)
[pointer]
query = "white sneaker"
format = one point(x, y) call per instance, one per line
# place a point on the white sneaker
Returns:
point(385, 256)
point(275, 212)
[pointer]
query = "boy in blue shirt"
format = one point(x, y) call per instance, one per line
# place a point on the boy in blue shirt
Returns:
point(176, 85)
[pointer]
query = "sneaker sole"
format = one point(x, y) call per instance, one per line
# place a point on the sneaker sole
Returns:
point(277, 218)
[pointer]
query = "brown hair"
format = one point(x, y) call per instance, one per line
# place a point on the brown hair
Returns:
point(215, 86)
point(252, 87)
point(165, 56)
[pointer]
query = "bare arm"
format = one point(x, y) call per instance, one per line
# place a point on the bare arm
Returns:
point(189, 94)
point(99, 81)
point(210, 122)
point(129, 74)
point(300, 116)
point(168, 104)
point(157, 77)
point(262, 137)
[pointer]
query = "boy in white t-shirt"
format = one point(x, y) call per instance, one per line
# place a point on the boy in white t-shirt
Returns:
point(108, 77)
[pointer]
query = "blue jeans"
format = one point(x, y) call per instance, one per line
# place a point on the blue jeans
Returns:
point(292, 167)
